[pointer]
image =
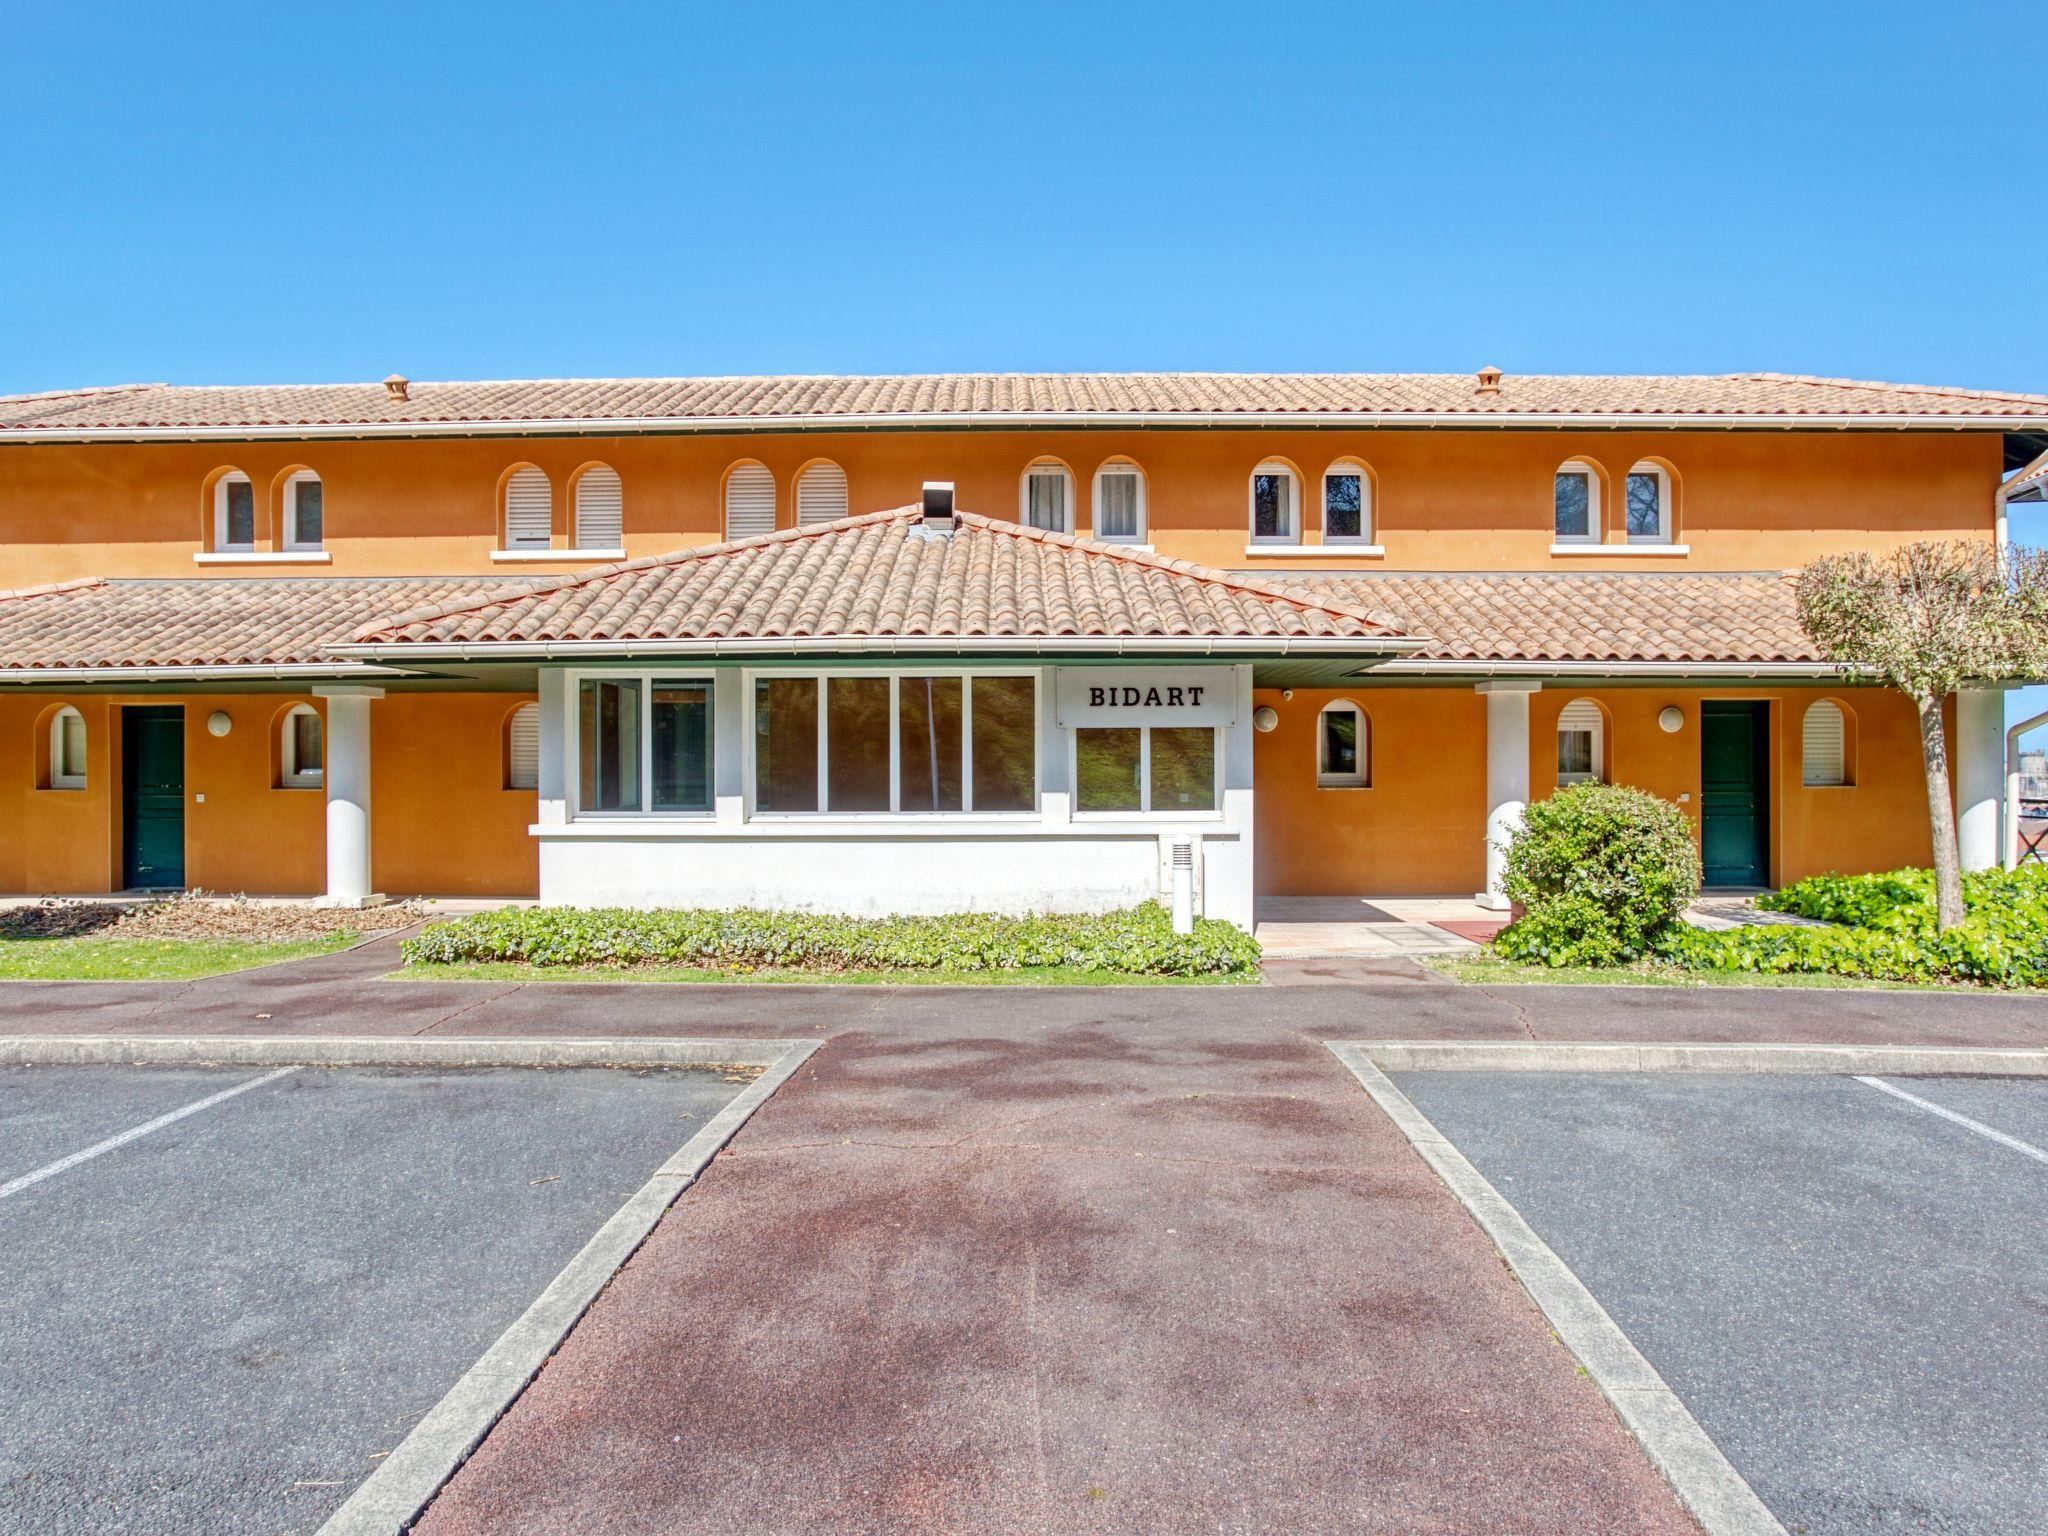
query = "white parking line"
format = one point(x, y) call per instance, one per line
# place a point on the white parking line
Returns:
point(2026, 1148)
point(49, 1170)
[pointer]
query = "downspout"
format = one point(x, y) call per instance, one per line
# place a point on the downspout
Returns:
point(2012, 787)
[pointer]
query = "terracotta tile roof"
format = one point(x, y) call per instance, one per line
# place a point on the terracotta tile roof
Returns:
point(883, 574)
point(2030, 481)
point(996, 397)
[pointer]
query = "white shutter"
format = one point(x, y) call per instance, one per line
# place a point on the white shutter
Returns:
point(1583, 715)
point(522, 750)
point(600, 510)
point(749, 502)
point(1821, 743)
point(820, 494)
point(529, 509)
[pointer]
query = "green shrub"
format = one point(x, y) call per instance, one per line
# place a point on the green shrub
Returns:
point(1601, 871)
point(1138, 941)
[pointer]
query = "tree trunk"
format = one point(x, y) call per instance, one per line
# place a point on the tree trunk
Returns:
point(1941, 816)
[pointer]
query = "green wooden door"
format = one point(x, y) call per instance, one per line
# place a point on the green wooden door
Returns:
point(153, 797)
point(1735, 780)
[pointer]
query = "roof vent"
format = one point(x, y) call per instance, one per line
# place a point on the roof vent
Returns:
point(938, 505)
point(1489, 381)
point(396, 387)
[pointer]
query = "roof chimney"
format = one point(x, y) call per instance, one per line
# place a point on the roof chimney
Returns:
point(396, 387)
point(938, 505)
point(1489, 381)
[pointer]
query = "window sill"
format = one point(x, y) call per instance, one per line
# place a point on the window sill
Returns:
point(61, 789)
point(504, 556)
point(302, 784)
point(1342, 784)
point(1621, 551)
point(263, 557)
point(1315, 551)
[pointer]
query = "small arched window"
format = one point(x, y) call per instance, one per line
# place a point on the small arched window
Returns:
point(1120, 503)
point(1343, 747)
point(305, 511)
point(522, 748)
point(600, 509)
point(1347, 503)
point(1824, 745)
point(299, 748)
point(749, 501)
point(67, 749)
point(820, 494)
point(234, 513)
point(529, 509)
point(1276, 506)
point(1575, 503)
point(1581, 749)
point(1045, 498)
point(1649, 504)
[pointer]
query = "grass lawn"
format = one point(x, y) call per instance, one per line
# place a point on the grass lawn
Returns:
point(96, 959)
point(1485, 970)
point(1039, 976)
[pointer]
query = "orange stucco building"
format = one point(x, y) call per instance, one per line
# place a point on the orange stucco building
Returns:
point(1026, 640)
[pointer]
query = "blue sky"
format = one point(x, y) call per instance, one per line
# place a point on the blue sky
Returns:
point(278, 192)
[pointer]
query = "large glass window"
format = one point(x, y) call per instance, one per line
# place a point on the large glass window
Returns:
point(608, 731)
point(1004, 761)
point(682, 746)
point(786, 744)
point(857, 744)
point(1164, 769)
point(1183, 768)
point(928, 750)
point(643, 744)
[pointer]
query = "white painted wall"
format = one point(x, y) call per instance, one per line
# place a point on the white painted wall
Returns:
point(1507, 780)
point(1980, 775)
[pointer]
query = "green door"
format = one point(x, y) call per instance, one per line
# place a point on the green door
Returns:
point(153, 797)
point(1735, 779)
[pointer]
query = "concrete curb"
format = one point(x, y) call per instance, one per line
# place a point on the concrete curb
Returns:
point(1705, 1481)
point(1752, 1060)
point(382, 1051)
point(407, 1480)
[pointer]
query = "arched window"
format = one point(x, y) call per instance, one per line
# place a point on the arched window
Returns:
point(234, 514)
point(1276, 506)
point(1045, 498)
point(1343, 747)
point(529, 509)
point(1824, 745)
point(1347, 503)
point(1581, 749)
point(820, 494)
point(600, 509)
point(299, 748)
point(1120, 503)
point(749, 501)
point(305, 511)
point(67, 749)
point(1575, 501)
point(522, 748)
point(1649, 504)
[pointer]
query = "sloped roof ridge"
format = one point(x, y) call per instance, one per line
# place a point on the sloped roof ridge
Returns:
point(1823, 381)
point(50, 588)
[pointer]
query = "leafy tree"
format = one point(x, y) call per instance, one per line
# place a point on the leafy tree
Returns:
point(1928, 619)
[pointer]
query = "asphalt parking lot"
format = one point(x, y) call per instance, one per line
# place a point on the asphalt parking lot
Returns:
point(221, 1323)
point(1849, 1289)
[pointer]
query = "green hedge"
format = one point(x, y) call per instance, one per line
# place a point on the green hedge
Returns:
point(1601, 871)
point(1139, 941)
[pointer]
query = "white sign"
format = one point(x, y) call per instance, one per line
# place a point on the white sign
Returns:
point(1146, 696)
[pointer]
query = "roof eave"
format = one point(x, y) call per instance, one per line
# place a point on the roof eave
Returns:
point(237, 672)
point(1218, 646)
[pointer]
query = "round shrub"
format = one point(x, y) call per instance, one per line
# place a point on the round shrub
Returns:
point(1600, 870)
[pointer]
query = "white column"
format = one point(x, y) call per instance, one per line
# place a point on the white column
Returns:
point(1507, 779)
point(552, 809)
point(1980, 775)
point(729, 746)
point(347, 774)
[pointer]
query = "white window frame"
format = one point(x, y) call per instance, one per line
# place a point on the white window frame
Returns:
point(616, 547)
point(1595, 518)
point(751, 676)
point(1845, 778)
point(1143, 532)
point(222, 545)
point(292, 774)
point(1364, 536)
point(572, 769)
point(1598, 730)
point(1361, 777)
point(1214, 813)
point(292, 540)
point(1291, 535)
point(60, 776)
point(1663, 535)
point(505, 543)
point(1049, 468)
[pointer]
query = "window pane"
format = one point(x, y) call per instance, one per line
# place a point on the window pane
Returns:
point(1183, 768)
point(857, 743)
point(928, 742)
point(1340, 743)
point(786, 744)
point(1575, 752)
point(241, 512)
point(682, 746)
point(1005, 743)
point(1117, 517)
point(1106, 770)
point(1048, 495)
point(608, 740)
point(1343, 507)
point(1574, 505)
point(71, 747)
point(1273, 506)
point(306, 743)
point(1645, 514)
point(307, 499)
